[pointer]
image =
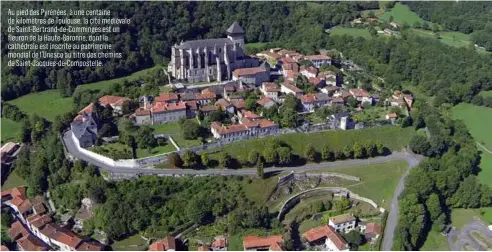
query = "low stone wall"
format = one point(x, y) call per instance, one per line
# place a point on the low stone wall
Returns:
point(288, 204)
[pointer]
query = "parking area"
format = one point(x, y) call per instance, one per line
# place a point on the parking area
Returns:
point(473, 236)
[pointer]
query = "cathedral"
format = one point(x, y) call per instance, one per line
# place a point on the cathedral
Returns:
point(209, 60)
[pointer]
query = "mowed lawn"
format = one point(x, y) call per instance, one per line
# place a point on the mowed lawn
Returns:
point(435, 241)
point(355, 32)
point(456, 39)
point(13, 180)
point(103, 84)
point(378, 181)
point(174, 130)
point(10, 130)
point(47, 104)
point(395, 138)
point(401, 13)
point(478, 119)
point(132, 243)
point(486, 93)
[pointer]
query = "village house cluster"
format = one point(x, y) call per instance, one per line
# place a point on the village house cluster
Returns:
point(328, 238)
point(35, 230)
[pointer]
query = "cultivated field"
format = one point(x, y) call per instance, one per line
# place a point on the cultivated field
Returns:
point(401, 13)
point(47, 104)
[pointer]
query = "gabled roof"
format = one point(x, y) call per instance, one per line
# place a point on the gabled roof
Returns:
point(250, 242)
point(166, 97)
point(219, 242)
point(265, 100)
point(270, 87)
point(209, 108)
point(373, 228)
point(203, 248)
point(235, 28)
point(160, 107)
point(163, 244)
point(17, 230)
point(31, 243)
point(292, 88)
point(248, 71)
point(325, 232)
point(88, 109)
point(112, 100)
point(17, 191)
point(39, 221)
point(317, 57)
point(89, 246)
point(342, 218)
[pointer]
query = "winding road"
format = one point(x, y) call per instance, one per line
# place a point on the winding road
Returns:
point(412, 159)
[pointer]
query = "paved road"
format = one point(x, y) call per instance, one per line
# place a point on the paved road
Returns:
point(389, 231)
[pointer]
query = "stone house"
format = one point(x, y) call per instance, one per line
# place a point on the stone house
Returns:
point(168, 112)
point(361, 95)
point(116, 102)
point(318, 60)
point(309, 72)
point(266, 102)
point(255, 243)
point(270, 89)
point(254, 75)
point(288, 88)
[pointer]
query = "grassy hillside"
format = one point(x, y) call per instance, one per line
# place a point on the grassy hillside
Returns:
point(392, 137)
point(478, 120)
point(102, 84)
point(355, 32)
point(47, 104)
point(401, 13)
point(486, 93)
point(10, 130)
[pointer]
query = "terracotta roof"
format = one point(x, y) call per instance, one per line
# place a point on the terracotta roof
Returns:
point(39, 221)
point(221, 129)
point(345, 94)
point(48, 230)
point(142, 112)
point(90, 246)
point(219, 242)
point(290, 67)
point(264, 123)
point(373, 228)
point(292, 88)
point(392, 115)
point(17, 230)
point(223, 103)
point(249, 114)
point(4, 248)
point(163, 244)
point(264, 100)
point(317, 57)
point(66, 237)
point(206, 96)
point(17, 191)
point(286, 60)
point(337, 100)
point(112, 100)
point(208, 108)
point(248, 71)
point(88, 109)
point(314, 80)
point(285, 52)
point(270, 87)
point(203, 248)
point(342, 218)
point(31, 243)
point(292, 74)
point(331, 88)
point(191, 105)
point(24, 206)
point(269, 54)
point(308, 98)
point(250, 242)
point(187, 96)
point(310, 69)
point(359, 92)
point(238, 103)
point(166, 97)
point(160, 107)
point(325, 232)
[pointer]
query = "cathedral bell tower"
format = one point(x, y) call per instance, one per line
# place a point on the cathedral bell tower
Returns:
point(236, 34)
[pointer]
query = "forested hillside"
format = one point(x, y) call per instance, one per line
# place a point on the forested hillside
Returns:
point(466, 17)
point(155, 26)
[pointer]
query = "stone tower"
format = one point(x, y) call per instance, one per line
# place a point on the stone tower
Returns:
point(236, 34)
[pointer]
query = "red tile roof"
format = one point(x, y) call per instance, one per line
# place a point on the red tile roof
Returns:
point(89, 246)
point(373, 228)
point(142, 112)
point(264, 100)
point(311, 69)
point(203, 248)
point(342, 218)
point(166, 97)
point(269, 54)
point(160, 107)
point(359, 92)
point(222, 130)
point(251, 242)
point(270, 87)
point(248, 71)
point(38, 220)
point(292, 88)
point(314, 80)
point(17, 230)
point(112, 100)
point(290, 67)
point(316, 57)
point(66, 237)
point(292, 74)
point(249, 114)
point(164, 244)
point(219, 242)
point(286, 60)
point(327, 232)
point(223, 103)
point(238, 103)
point(337, 100)
point(205, 96)
point(4, 248)
point(31, 243)
point(208, 108)
point(17, 191)
point(308, 98)
point(88, 109)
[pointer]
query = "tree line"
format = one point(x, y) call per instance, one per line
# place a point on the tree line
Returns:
point(446, 179)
